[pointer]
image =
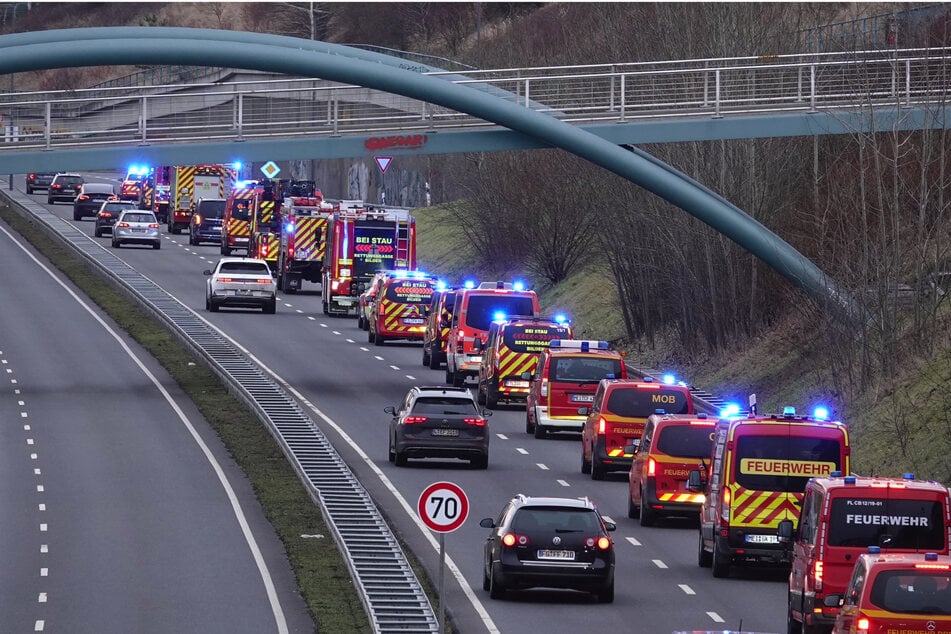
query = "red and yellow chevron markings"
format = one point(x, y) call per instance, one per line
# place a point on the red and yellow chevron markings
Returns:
point(762, 508)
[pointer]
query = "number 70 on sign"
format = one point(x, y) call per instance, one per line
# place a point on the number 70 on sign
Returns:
point(443, 507)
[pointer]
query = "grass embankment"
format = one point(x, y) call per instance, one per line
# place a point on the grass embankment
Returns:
point(321, 571)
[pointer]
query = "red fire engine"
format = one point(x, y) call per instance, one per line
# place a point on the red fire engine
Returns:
point(303, 242)
point(361, 241)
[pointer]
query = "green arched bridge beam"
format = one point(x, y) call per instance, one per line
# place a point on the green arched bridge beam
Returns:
point(653, 175)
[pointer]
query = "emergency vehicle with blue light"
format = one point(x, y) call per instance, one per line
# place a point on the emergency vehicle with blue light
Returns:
point(896, 594)
point(511, 348)
point(134, 182)
point(841, 517)
point(565, 381)
point(438, 321)
point(473, 312)
point(303, 241)
point(759, 469)
point(399, 309)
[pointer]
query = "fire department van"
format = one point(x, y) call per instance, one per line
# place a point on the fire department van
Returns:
point(236, 221)
point(437, 327)
point(564, 383)
point(896, 594)
point(399, 311)
point(841, 517)
point(758, 473)
point(473, 312)
point(616, 420)
point(672, 446)
point(511, 349)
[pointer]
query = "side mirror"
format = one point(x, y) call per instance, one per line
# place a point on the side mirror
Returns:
point(785, 531)
point(584, 411)
point(487, 523)
point(477, 344)
point(207, 271)
point(486, 413)
point(610, 526)
point(390, 410)
point(526, 376)
point(832, 601)
point(633, 447)
point(695, 481)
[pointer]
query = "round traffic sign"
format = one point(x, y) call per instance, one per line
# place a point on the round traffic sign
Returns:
point(443, 507)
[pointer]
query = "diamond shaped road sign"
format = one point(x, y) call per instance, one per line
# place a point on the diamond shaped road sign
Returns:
point(383, 162)
point(270, 169)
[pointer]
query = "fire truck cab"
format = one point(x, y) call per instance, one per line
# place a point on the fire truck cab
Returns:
point(473, 312)
point(511, 349)
point(303, 242)
point(841, 517)
point(758, 473)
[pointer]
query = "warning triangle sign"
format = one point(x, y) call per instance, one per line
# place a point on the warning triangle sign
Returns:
point(383, 162)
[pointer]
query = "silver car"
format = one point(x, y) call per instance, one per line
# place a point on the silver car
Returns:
point(242, 283)
point(135, 226)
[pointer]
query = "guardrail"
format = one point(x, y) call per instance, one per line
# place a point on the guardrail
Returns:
point(296, 107)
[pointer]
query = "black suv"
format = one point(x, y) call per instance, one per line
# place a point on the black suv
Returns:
point(549, 542)
point(64, 187)
point(205, 224)
point(439, 422)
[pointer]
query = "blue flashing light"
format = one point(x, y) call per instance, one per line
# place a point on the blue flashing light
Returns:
point(610, 376)
point(245, 184)
point(420, 275)
point(702, 415)
point(585, 346)
point(469, 284)
point(729, 410)
point(518, 286)
point(289, 227)
point(236, 165)
point(440, 285)
point(931, 556)
point(648, 379)
point(821, 412)
point(660, 411)
point(874, 550)
point(908, 476)
point(849, 479)
point(835, 474)
point(498, 316)
point(789, 410)
point(560, 319)
point(669, 379)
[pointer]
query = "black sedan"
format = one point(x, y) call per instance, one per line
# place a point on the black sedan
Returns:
point(108, 212)
point(90, 197)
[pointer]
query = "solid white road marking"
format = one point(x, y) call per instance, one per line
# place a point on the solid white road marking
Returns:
point(716, 617)
point(633, 541)
point(607, 518)
point(687, 589)
point(563, 483)
point(659, 563)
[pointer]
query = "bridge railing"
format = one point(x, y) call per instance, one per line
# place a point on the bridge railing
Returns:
point(295, 107)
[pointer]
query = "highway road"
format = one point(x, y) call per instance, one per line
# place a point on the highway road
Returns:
point(347, 383)
point(120, 511)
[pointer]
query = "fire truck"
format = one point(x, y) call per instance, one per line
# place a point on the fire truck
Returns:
point(188, 184)
point(161, 186)
point(360, 242)
point(841, 517)
point(132, 185)
point(252, 222)
point(399, 310)
point(303, 242)
point(758, 473)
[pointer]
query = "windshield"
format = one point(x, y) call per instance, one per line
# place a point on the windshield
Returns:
point(580, 369)
point(240, 210)
point(638, 402)
point(913, 592)
point(558, 520)
point(482, 309)
point(256, 268)
point(532, 337)
point(444, 406)
point(912, 524)
point(784, 463)
point(211, 208)
point(685, 441)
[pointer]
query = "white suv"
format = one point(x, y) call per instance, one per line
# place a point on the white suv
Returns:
point(243, 283)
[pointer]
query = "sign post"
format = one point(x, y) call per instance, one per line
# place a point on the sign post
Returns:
point(443, 507)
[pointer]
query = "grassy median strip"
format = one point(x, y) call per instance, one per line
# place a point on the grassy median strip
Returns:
point(322, 573)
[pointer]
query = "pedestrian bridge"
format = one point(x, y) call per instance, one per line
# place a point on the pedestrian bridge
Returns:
point(283, 117)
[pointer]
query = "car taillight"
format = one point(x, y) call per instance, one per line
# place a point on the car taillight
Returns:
point(543, 390)
point(123, 224)
point(83, 197)
point(153, 225)
point(56, 186)
point(224, 279)
point(511, 539)
point(105, 214)
point(197, 219)
point(263, 280)
point(862, 625)
point(817, 573)
point(604, 543)
point(725, 506)
point(602, 426)
point(32, 176)
point(412, 420)
point(651, 467)
point(478, 422)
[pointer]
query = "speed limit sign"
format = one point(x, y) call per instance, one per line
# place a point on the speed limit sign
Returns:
point(443, 507)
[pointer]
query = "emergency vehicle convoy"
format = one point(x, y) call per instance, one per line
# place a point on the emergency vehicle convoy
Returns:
point(135, 183)
point(841, 517)
point(473, 311)
point(759, 470)
point(617, 417)
point(399, 309)
point(303, 241)
point(250, 222)
point(438, 321)
point(187, 185)
point(361, 241)
point(511, 348)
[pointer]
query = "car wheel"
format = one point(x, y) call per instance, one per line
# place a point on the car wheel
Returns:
point(399, 458)
point(360, 322)
point(597, 469)
point(213, 306)
point(379, 340)
point(458, 379)
point(115, 243)
point(191, 240)
point(207, 303)
point(97, 232)
point(633, 510)
point(486, 584)
point(390, 454)
point(482, 462)
point(29, 190)
point(157, 245)
point(720, 563)
point(271, 307)
point(792, 625)
point(606, 595)
point(434, 361)
point(491, 395)
point(225, 250)
point(426, 357)
point(496, 589)
point(49, 201)
point(77, 215)
point(648, 515)
point(449, 376)
point(585, 464)
point(529, 427)
point(704, 559)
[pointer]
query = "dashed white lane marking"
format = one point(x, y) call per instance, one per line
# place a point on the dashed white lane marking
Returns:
point(41, 598)
point(21, 403)
point(9, 371)
point(39, 627)
point(687, 589)
point(350, 341)
point(26, 428)
point(524, 452)
point(33, 456)
point(298, 310)
point(42, 507)
point(377, 357)
point(289, 305)
point(336, 332)
point(44, 548)
point(541, 466)
point(395, 367)
point(29, 441)
point(410, 377)
point(14, 382)
point(23, 415)
point(608, 518)
point(44, 572)
point(563, 483)
point(716, 617)
point(364, 349)
point(36, 472)
point(323, 325)
point(43, 528)
point(502, 436)
point(311, 317)
point(633, 541)
point(659, 563)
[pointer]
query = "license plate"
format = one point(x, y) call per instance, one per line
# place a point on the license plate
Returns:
point(445, 432)
point(582, 398)
point(414, 321)
point(516, 383)
point(242, 291)
point(556, 554)
point(345, 301)
point(762, 539)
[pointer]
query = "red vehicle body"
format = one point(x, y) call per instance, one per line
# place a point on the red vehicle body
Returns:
point(438, 321)
point(190, 183)
point(841, 517)
point(303, 242)
point(617, 418)
point(244, 211)
point(473, 312)
point(360, 242)
point(161, 193)
point(399, 309)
